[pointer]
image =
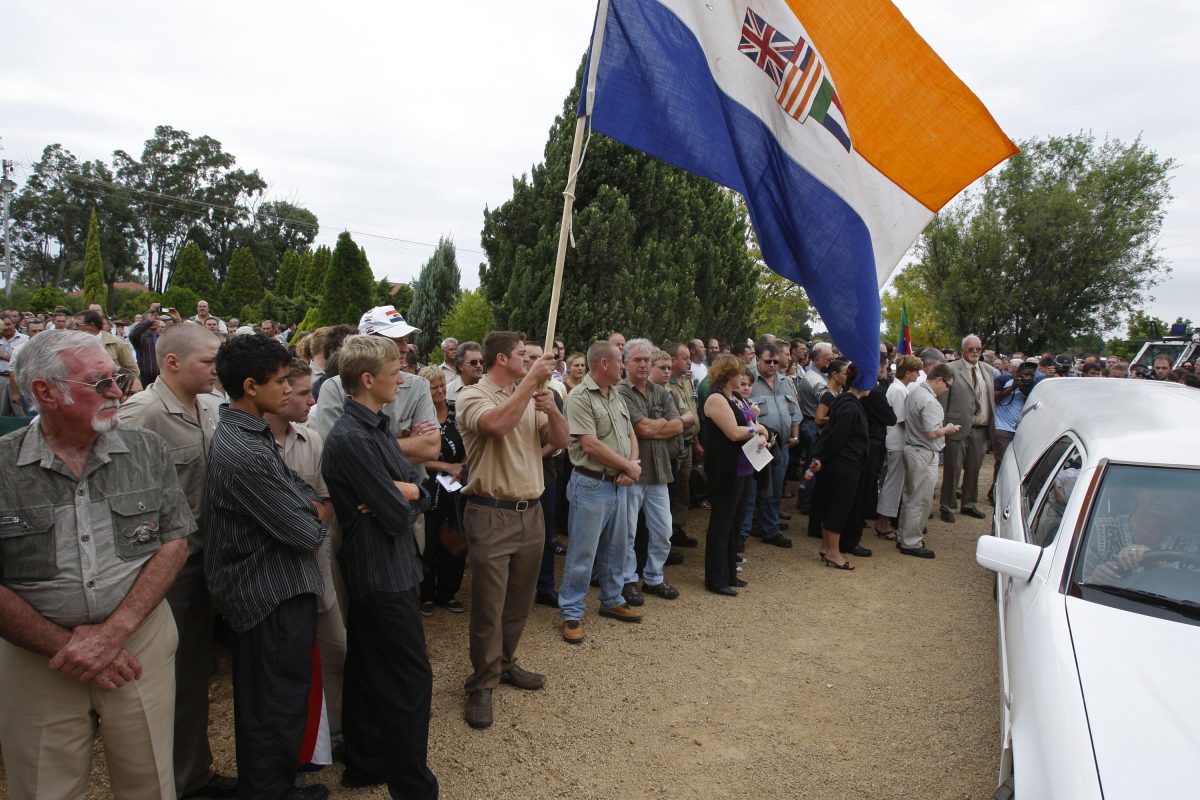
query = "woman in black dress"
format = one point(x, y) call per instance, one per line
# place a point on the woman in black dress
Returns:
point(839, 459)
point(445, 555)
point(725, 430)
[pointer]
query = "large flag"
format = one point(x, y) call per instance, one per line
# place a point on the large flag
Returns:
point(904, 346)
point(839, 125)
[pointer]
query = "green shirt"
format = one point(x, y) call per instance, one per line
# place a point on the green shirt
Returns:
point(73, 548)
point(685, 398)
point(656, 404)
point(589, 412)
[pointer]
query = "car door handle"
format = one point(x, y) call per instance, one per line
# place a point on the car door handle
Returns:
point(1006, 510)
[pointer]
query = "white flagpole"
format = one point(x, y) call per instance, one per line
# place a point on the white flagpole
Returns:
point(564, 233)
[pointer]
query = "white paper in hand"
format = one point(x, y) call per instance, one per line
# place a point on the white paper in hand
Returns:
point(448, 483)
point(758, 457)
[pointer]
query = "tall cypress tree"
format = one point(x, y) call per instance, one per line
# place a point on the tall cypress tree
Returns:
point(349, 288)
point(434, 293)
point(659, 252)
point(94, 289)
point(315, 278)
point(192, 272)
point(243, 286)
point(289, 269)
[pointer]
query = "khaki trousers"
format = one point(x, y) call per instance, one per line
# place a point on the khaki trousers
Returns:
point(920, 476)
point(963, 456)
point(681, 490)
point(504, 549)
point(47, 721)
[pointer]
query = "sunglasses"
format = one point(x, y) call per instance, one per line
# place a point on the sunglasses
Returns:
point(101, 387)
point(770, 361)
point(474, 362)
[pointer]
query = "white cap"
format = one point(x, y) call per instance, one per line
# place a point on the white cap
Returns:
point(385, 321)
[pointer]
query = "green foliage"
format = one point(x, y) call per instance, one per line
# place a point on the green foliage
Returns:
point(192, 272)
point(181, 298)
point(42, 300)
point(658, 252)
point(289, 268)
point(282, 309)
point(314, 276)
point(349, 285)
point(138, 304)
point(243, 287)
point(1139, 328)
point(402, 298)
point(1059, 243)
point(780, 306)
point(94, 290)
point(924, 324)
point(469, 319)
point(311, 321)
point(434, 292)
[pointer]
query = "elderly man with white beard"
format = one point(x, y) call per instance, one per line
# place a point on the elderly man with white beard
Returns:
point(93, 530)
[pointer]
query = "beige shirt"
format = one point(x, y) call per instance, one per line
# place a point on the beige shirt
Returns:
point(120, 352)
point(301, 452)
point(73, 548)
point(685, 398)
point(589, 412)
point(159, 410)
point(508, 467)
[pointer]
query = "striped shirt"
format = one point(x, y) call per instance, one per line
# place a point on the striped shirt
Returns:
point(360, 462)
point(261, 526)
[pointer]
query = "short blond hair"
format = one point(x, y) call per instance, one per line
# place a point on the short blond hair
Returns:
point(363, 354)
point(432, 373)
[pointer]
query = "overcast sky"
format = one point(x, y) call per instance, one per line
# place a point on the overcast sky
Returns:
point(404, 120)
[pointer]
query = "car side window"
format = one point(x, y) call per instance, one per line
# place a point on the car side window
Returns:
point(1035, 485)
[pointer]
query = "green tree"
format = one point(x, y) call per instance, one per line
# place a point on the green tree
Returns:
point(349, 287)
point(94, 290)
point(1062, 241)
point(434, 292)
point(182, 298)
point(243, 287)
point(289, 269)
point(44, 300)
point(924, 324)
point(657, 251)
point(780, 306)
point(192, 272)
point(470, 318)
point(314, 276)
point(138, 304)
point(402, 298)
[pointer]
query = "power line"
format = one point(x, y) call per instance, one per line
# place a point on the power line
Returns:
point(192, 204)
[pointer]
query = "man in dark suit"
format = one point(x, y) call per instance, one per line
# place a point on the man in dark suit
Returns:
point(970, 404)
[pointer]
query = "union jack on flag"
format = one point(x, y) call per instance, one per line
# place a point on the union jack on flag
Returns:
point(804, 88)
point(766, 46)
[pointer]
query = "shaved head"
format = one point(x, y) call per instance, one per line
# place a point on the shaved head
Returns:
point(183, 340)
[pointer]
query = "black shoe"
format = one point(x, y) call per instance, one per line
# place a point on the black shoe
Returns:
point(778, 540)
point(728, 591)
point(947, 516)
point(664, 590)
point(683, 540)
point(973, 512)
point(783, 526)
point(784, 515)
point(738, 582)
point(858, 550)
point(217, 786)
point(426, 608)
point(741, 545)
point(479, 709)
point(453, 606)
point(673, 559)
point(560, 549)
point(523, 678)
point(317, 791)
point(546, 599)
point(353, 781)
point(633, 595)
point(919, 552)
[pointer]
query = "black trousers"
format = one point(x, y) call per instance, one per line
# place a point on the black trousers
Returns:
point(192, 608)
point(443, 569)
point(272, 671)
point(720, 543)
point(386, 696)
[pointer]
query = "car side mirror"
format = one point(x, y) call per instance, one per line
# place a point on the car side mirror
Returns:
point(1008, 557)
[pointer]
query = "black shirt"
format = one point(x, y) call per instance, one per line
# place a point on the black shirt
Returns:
point(359, 463)
point(844, 438)
point(261, 529)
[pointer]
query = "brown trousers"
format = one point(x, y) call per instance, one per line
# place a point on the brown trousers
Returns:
point(963, 457)
point(504, 549)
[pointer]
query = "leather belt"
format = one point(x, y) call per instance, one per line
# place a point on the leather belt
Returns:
point(508, 505)
point(591, 473)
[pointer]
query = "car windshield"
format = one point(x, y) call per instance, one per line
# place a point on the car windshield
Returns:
point(1171, 350)
point(1142, 540)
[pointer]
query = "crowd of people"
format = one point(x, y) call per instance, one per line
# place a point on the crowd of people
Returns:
point(317, 495)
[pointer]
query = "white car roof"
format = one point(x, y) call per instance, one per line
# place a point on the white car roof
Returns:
point(1154, 422)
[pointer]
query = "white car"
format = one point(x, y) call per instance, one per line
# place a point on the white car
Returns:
point(1097, 548)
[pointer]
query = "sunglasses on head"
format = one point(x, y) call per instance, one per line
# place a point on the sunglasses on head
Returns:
point(121, 380)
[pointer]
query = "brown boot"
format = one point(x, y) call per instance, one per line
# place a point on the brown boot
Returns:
point(479, 709)
point(522, 678)
point(572, 631)
point(623, 612)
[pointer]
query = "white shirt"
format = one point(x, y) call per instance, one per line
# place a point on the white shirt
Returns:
point(699, 372)
point(896, 395)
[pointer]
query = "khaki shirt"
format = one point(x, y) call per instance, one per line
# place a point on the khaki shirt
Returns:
point(301, 452)
point(508, 467)
point(685, 398)
point(72, 548)
point(656, 404)
point(923, 414)
point(589, 412)
point(159, 410)
point(120, 352)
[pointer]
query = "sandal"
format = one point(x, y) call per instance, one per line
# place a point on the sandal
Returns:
point(829, 562)
point(889, 535)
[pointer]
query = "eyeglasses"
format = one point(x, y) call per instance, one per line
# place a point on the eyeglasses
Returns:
point(973, 349)
point(101, 387)
point(770, 361)
point(474, 362)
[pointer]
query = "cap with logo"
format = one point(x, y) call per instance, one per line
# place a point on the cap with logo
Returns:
point(385, 321)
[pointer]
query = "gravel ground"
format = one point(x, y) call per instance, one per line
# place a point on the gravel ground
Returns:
point(813, 683)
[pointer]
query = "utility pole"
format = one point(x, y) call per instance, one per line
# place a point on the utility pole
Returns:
point(7, 187)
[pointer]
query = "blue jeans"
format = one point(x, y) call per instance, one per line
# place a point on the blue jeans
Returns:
point(598, 536)
point(804, 494)
point(767, 504)
point(655, 500)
